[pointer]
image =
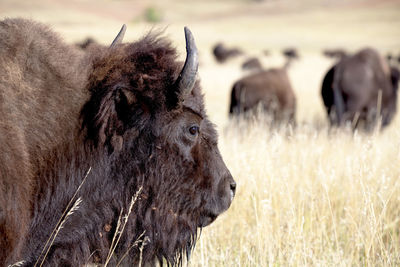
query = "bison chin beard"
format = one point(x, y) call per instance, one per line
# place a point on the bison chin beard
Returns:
point(206, 219)
point(174, 239)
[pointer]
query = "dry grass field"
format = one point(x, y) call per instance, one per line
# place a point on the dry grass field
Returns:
point(310, 196)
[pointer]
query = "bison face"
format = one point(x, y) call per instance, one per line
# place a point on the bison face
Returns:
point(190, 184)
point(186, 185)
point(148, 114)
point(190, 140)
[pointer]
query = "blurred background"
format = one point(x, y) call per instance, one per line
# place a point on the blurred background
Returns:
point(253, 26)
point(309, 196)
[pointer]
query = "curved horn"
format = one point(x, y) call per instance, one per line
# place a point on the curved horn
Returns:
point(187, 77)
point(119, 37)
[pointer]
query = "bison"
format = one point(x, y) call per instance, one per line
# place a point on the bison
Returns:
point(291, 53)
point(335, 53)
point(222, 53)
point(360, 89)
point(270, 89)
point(89, 41)
point(252, 63)
point(94, 140)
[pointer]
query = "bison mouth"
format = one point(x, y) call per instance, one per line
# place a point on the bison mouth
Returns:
point(206, 219)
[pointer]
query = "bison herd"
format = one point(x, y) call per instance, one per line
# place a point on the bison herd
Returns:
point(107, 153)
point(359, 90)
point(105, 148)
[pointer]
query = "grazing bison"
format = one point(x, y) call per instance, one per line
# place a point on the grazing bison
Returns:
point(389, 57)
point(89, 41)
point(335, 53)
point(252, 64)
point(222, 53)
point(97, 128)
point(269, 88)
point(354, 88)
point(291, 53)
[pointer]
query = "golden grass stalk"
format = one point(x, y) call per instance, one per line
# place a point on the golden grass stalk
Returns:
point(17, 264)
point(74, 208)
point(120, 227)
point(135, 244)
point(141, 250)
point(60, 221)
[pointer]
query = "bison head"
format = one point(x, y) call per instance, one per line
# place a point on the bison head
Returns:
point(146, 112)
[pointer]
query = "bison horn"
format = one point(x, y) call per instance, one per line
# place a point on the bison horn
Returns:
point(187, 77)
point(119, 37)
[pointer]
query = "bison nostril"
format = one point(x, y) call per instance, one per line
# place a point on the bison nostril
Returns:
point(233, 187)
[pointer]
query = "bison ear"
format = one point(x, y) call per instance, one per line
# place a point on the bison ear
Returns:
point(124, 105)
point(107, 116)
point(124, 101)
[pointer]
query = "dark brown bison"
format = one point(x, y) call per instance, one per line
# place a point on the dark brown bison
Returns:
point(252, 64)
point(132, 118)
point(335, 53)
point(270, 89)
point(86, 43)
point(389, 57)
point(223, 53)
point(358, 88)
point(291, 53)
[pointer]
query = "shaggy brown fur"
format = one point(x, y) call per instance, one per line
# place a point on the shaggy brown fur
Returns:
point(358, 79)
point(119, 112)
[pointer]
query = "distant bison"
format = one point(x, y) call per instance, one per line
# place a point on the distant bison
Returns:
point(223, 53)
point(389, 57)
point(270, 89)
point(252, 64)
point(132, 116)
point(291, 53)
point(86, 43)
point(335, 53)
point(358, 88)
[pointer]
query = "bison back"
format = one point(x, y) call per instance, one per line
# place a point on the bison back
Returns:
point(270, 88)
point(40, 99)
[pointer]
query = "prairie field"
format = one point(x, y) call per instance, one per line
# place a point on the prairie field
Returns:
point(306, 196)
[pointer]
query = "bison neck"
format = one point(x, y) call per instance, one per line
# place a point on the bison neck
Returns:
point(89, 175)
point(106, 195)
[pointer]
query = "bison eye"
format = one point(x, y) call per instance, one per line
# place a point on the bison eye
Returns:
point(194, 130)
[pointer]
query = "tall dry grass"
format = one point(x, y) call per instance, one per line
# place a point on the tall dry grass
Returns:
point(310, 196)
point(307, 198)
